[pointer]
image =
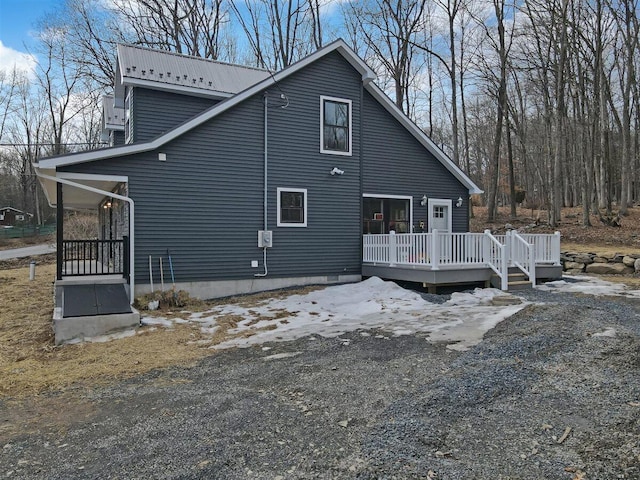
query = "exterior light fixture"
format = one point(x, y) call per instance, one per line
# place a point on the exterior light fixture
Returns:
point(459, 202)
point(423, 202)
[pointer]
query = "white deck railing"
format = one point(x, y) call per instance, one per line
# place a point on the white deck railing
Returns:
point(464, 250)
point(521, 255)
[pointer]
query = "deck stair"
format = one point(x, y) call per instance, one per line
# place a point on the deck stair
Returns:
point(517, 280)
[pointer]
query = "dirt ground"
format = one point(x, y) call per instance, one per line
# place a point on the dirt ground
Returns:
point(412, 410)
point(573, 232)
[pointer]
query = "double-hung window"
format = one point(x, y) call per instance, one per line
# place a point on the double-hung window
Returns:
point(335, 126)
point(292, 207)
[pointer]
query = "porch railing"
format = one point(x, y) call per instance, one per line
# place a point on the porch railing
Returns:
point(448, 250)
point(94, 257)
point(522, 255)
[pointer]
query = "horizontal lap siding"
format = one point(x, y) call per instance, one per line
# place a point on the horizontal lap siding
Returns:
point(205, 202)
point(156, 112)
point(395, 163)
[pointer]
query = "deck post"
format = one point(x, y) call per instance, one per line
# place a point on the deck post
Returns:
point(393, 254)
point(59, 231)
point(508, 240)
point(555, 248)
point(486, 247)
point(435, 250)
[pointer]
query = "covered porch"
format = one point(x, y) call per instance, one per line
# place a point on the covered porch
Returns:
point(508, 261)
point(94, 285)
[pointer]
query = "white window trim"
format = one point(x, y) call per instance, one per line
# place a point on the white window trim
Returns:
point(440, 202)
point(334, 152)
point(395, 197)
point(298, 190)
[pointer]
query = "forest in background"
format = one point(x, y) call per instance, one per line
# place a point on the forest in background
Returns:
point(537, 101)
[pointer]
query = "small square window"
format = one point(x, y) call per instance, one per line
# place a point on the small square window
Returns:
point(19, 217)
point(335, 126)
point(292, 207)
point(438, 212)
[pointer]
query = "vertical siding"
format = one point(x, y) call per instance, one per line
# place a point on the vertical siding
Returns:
point(205, 202)
point(156, 112)
point(395, 163)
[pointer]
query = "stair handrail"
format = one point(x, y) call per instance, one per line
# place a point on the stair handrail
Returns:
point(495, 256)
point(522, 255)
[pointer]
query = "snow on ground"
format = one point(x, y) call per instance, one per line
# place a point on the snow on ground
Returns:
point(589, 286)
point(372, 304)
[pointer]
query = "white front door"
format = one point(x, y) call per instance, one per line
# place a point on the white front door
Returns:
point(439, 215)
point(440, 220)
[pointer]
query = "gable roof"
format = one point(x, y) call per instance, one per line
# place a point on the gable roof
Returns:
point(338, 46)
point(170, 71)
point(15, 210)
point(112, 116)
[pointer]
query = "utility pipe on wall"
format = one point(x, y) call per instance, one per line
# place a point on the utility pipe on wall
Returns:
point(266, 185)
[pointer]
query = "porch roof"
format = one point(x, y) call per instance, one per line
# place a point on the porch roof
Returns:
point(78, 198)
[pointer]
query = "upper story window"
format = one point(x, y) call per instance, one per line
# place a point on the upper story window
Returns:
point(128, 134)
point(292, 207)
point(335, 126)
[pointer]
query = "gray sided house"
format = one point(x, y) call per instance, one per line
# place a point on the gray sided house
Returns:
point(252, 181)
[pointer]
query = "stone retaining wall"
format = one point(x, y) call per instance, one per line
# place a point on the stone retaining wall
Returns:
point(614, 264)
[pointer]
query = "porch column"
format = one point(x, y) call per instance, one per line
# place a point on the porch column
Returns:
point(59, 230)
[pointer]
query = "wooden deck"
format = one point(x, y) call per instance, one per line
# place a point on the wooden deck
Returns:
point(458, 258)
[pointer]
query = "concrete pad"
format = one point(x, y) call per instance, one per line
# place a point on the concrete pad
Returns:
point(79, 328)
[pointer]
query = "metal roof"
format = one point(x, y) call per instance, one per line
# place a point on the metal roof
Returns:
point(112, 116)
point(140, 65)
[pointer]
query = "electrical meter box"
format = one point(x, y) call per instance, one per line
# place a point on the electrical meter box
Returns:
point(265, 238)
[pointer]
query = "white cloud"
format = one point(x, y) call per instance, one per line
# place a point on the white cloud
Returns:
point(10, 58)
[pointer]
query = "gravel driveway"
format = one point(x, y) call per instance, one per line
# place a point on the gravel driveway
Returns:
point(551, 393)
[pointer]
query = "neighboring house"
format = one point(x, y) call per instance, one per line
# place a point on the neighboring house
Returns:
point(10, 216)
point(251, 180)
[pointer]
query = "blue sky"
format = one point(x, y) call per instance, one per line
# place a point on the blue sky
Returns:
point(17, 19)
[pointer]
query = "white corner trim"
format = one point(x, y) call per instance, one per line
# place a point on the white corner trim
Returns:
point(297, 190)
point(348, 153)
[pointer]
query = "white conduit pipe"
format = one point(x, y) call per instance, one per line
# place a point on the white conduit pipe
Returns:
point(266, 198)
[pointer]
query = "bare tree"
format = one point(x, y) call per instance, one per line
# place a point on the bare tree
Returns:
point(278, 32)
point(390, 30)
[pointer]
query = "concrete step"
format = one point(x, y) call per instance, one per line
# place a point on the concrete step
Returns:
point(519, 285)
point(515, 281)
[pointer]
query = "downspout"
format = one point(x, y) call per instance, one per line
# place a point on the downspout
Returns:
point(131, 221)
point(265, 193)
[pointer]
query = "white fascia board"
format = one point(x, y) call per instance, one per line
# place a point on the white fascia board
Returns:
point(93, 177)
point(393, 109)
point(169, 87)
point(83, 157)
point(113, 126)
point(339, 45)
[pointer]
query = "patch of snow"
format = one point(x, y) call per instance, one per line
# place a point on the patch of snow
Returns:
point(589, 286)
point(112, 336)
point(371, 304)
point(278, 356)
point(609, 332)
point(165, 322)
